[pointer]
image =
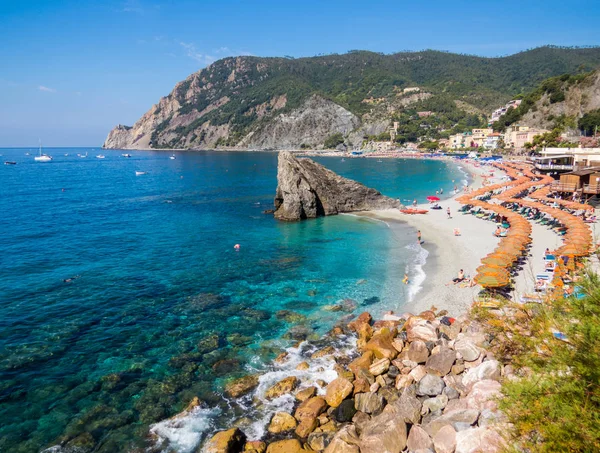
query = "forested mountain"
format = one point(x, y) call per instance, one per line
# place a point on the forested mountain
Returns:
point(254, 102)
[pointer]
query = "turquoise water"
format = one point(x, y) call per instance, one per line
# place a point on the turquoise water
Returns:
point(161, 307)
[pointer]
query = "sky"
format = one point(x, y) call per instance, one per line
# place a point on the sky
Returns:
point(72, 69)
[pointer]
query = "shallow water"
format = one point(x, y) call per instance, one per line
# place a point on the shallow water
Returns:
point(160, 307)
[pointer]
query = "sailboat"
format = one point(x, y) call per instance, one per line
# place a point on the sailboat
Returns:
point(100, 156)
point(42, 157)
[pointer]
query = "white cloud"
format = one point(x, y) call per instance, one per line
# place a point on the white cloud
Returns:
point(194, 54)
point(46, 89)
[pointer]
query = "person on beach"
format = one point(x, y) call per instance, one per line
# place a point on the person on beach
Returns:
point(448, 212)
point(441, 191)
point(460, 278)
point(419, 236)
point(415, 202)
point(455, 189)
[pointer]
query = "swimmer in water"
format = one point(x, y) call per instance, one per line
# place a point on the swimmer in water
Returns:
point(405, 279)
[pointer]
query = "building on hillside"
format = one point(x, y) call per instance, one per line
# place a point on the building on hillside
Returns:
point(510, 135)
point(424, 114)
point(460, 141)
point(479, 136)
point(526, 137)
point(496, 114)
point(491, 141)
point(411, 90)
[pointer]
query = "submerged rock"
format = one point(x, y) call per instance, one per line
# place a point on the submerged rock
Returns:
point(230, 441)
point(241, 386)
point(306, 190)
point(282, 387)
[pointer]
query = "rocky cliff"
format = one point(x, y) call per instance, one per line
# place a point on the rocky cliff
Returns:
point(579, 98)
point(280, 103)
point(306, 189)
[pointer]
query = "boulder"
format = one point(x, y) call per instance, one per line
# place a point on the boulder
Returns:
point(282, 422)
point(345, 441)
point(344, 412)
point(319, 441)
point(420, 329)
point(361, 385)
point(311, 408)
point(418, 373)
point(407, 408)
point(487, 370)
point(306, 189)
point(445, 440)
point(306, 426)
point(441, 363)
point(337, 391)
point(417, 352)
point(230, 441)
point(382, 345)
point(364, 361)
point(418, 439)
point(286, 446)
point(241, 386)
point(255, 446)
point(369, 402)
point(282, 387)
point(479, 440)
point(467, 349)
point(379, 366)
point(483, 394)
point(327, 350)
point(431, 385)
point(303, 366)
point(435, 404)
point(385, 433)
point(304, 394)
point(458, 419)
point(403, 381)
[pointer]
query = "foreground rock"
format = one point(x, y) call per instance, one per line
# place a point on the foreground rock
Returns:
point(306, 190)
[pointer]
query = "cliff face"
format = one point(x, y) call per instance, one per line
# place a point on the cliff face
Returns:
point(579, 99)
point(306, 189)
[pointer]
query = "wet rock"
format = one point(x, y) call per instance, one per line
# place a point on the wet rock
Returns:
point(299, 333)
point(237, 339)
point(226, 366)
point(479, 440)
point(255, 446)
point(364, 317)
point(328, 350)
point(230, 441)
point(209, 343)
point(282, 358)
point(282, 422)
point(311, 408)
point(337, 391)
point(286, 446)
point(445, 440)
point(381, 345)
point(282, 387)
point(487, 370)
point(364, 361)
point(369, 403)
point(290, 316)
point(345, 411)
point(343, 372)
point(467, 349)
point(83, 443)
point(306, 426)
point(333, 308)
point(255, 315)
point(303, 366)
point(418, 439)
point(458, 419)
point(319, 441)
point(417, 352)
point(384, 433)
point(379, 366)
point(241, 386)
point(441, 363)
point(304, 394)
point(431, 385)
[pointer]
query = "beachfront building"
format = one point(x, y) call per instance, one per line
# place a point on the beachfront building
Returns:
point(479, 136)
point(582, 157)
point(516, 135)
point(492, 140)
point(460, 141)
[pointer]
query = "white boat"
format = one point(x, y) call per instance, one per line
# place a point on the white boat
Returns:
point(126, 155)
point(27, 154)
point(42, 157)
point(139, 173)
point(172, 157)
point(66, 154)
point(100, 156)
point(82, 155)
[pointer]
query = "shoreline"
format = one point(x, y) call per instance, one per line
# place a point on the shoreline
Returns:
point(447, 253)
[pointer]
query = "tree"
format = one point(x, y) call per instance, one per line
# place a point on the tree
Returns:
point(589, 122)
point(333, 140)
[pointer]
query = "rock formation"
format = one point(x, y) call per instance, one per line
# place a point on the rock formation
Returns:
point(306, 189)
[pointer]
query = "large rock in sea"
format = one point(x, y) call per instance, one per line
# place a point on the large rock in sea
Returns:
point(306, 189)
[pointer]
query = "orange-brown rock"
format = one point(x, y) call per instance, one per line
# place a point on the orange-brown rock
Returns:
point(337, 391)
point(311, 408)
point(286, 446)
point(230, 441)
point(282, 387)
point(255, 446)
point(306, 426)
point(364, 361)
point(382, 345)
point(304, 394)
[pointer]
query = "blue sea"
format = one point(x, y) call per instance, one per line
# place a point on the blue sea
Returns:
point(122, 296)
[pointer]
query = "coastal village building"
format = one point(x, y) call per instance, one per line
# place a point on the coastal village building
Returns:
point(491, 141)
point(496, 114)
point(460, 141)
point(479, 136)
point(424, 114)
point(581, 157)
point(516, 136)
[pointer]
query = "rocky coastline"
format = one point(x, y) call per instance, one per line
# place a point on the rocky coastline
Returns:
point(415, 383)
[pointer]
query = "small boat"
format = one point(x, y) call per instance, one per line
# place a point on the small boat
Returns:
point(66, 154)
point(413, 211)
point(139, 173)
point(10, 162)
point(343, 160)
point(379, 160)
point(42, 157)
point(172, 157)
point(83, 156)
point(27, 154)
point(126, 155)
point(100, 156)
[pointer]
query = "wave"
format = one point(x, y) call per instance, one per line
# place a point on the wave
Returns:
point(417, 274)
